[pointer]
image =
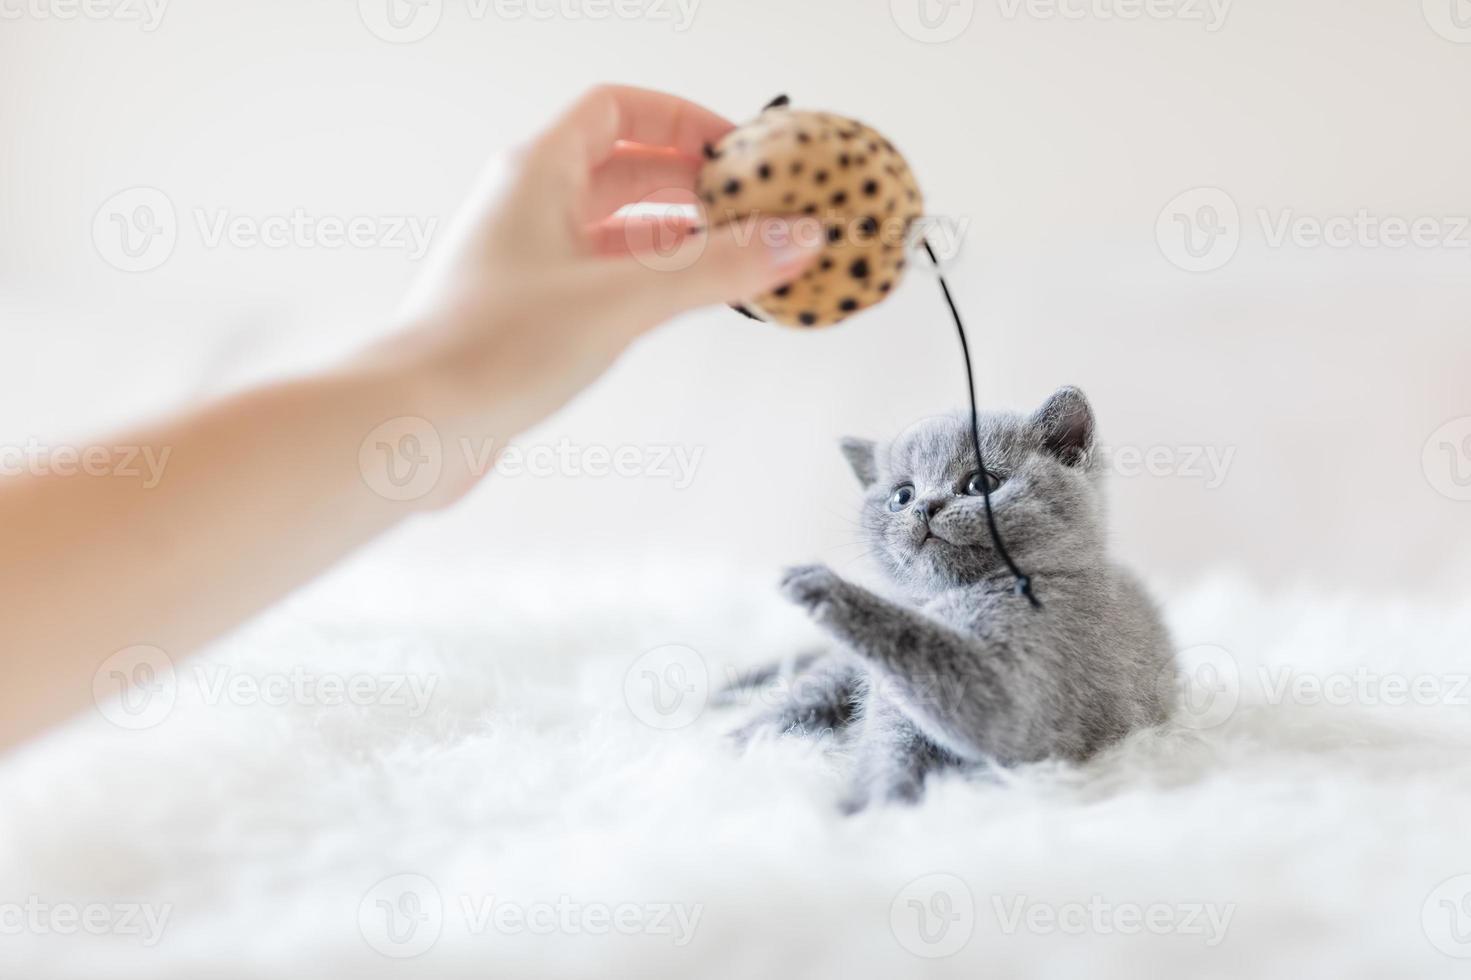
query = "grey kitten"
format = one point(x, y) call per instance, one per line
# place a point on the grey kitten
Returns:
point(954, 670)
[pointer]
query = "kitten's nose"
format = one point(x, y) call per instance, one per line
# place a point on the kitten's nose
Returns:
point(929, 508)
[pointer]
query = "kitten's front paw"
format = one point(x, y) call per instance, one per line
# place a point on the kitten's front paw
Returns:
point(813, 587)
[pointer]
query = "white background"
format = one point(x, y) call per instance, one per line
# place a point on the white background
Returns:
point(1057, 140)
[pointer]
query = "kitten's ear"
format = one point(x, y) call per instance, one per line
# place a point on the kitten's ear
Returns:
point(1065, 423)
point(862, 456)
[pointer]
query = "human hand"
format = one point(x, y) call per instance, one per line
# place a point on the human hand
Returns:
point(542, 285)
point(267, 488)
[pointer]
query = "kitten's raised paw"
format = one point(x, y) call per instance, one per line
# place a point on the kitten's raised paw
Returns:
point(812, 587)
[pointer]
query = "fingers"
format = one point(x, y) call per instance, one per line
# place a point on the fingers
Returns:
point(610, 113)
point(586, 134)
point(729, 263)
point(640, 175)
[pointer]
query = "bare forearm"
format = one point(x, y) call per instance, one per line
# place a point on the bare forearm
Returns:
point(243, 502)
point(540, 289)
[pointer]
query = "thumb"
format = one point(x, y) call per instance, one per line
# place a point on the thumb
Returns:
point(726, 264)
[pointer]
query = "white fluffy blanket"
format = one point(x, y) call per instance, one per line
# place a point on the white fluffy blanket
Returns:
point(426, 772)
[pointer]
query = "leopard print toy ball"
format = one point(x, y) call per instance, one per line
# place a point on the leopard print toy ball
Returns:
point(839, 171)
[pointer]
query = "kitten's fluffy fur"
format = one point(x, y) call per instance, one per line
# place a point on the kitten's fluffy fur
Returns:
point(953, 669)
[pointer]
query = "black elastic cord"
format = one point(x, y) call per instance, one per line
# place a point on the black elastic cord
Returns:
point(1023, 580)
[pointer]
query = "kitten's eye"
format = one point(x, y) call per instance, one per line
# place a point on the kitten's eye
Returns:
point(973, 483)
point(901, 497)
